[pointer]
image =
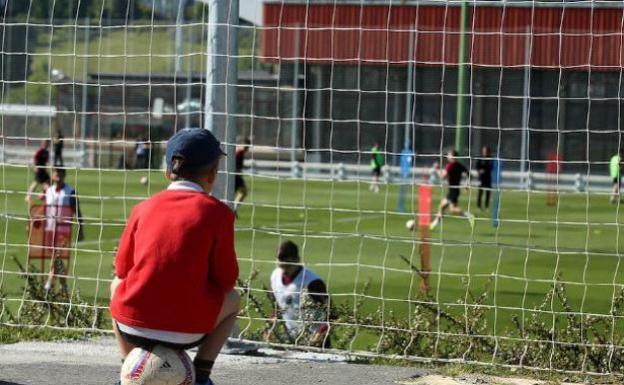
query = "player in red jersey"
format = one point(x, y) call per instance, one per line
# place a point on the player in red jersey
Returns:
point(176, 265)
point(453, 172)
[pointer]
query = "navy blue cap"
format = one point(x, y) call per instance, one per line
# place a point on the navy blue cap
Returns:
point(197, 146)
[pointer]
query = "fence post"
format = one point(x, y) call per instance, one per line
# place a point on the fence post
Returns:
point(529, 182)
point(386, 172)
point(341, 173)
point(296, 169)
point(579, 183)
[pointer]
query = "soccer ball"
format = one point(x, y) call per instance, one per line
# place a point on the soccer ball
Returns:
point(144, 180)
point(157, 366)
point(410, 224)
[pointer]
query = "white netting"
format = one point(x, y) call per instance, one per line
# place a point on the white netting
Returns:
point(326, 92)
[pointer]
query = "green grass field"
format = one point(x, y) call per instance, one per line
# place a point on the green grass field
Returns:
point(349, 235)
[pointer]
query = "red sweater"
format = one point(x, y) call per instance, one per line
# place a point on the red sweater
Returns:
point(176, 260)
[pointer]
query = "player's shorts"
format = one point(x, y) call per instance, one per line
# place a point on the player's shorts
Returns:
point(42, 176)
point(453, 195)
point(617, 180)
point(377, 171)
point(144, 342)
point(239, 182)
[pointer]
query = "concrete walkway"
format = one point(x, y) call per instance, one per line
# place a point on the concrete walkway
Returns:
point(96, 362)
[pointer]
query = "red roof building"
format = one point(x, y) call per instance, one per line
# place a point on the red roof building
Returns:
point(568, 36)
point(550, 71)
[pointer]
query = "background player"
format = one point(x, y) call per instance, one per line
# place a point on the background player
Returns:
point(453, 171)
point(484, 169)
point(377, 162)
point(40, 162)
point(433, 174)
point(58, 149)
point(176, 265)
point(61, 206)
point(289, 281)
point(142, 155)
point(239, 183)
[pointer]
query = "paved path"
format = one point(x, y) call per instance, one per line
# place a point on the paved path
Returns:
point(97, 362)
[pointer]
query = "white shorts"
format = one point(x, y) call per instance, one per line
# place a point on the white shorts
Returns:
point(161, 335)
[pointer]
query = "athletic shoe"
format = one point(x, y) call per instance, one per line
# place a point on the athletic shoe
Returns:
point(434, 224)
point(238, 347)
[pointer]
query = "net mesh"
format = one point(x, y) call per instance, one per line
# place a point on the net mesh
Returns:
point(350, 109)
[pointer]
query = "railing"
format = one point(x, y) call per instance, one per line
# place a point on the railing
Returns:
point(392, 174)
point(91, 156)
point(94, 154)
point(22, 155)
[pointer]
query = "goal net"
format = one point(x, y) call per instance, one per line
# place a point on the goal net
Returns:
point(447, 169)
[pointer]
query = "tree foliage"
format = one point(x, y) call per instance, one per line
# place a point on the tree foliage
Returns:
point(106, 10)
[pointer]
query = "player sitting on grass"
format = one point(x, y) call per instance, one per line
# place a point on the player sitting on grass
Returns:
point(301, 297)
point(176, 265)
point(453, 171)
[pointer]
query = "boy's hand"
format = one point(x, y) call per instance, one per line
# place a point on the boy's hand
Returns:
point(113, 286)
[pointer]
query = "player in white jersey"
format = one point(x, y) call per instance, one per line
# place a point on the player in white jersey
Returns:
point(301, 297)
point(61, 206)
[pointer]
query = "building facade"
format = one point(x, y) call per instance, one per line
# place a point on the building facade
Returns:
point(548, 73)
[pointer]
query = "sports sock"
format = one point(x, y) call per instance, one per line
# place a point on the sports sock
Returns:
point(203, 368)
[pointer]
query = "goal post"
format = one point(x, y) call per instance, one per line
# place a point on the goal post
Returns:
point(221, 87)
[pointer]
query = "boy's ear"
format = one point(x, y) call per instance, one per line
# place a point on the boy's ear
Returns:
point(212, 175)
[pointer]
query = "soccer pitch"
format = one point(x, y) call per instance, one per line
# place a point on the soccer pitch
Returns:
point(350, 235)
